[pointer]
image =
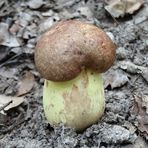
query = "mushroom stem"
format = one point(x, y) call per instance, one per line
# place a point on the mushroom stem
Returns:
point(77, 103)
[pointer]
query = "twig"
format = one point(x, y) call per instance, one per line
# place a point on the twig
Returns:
point(12, 58)
point(115, 20)
point(10, 128)
point(19, 120)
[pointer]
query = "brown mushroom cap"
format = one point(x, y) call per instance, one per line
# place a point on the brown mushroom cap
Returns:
point(69, 46)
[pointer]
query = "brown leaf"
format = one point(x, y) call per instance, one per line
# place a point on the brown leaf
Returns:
point(26, 84)
point(16, 101)
point(119, 8)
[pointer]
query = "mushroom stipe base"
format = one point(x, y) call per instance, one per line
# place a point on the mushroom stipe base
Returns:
point(77, 103)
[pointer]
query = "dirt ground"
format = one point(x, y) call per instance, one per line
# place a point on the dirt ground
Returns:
point(125, 122)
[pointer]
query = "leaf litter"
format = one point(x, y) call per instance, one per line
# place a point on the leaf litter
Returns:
point(115, 79)
point(26, 84)
point(10, 101)
point(119, 8)
point(6, 38)
point(135, 69)
point(140, 109)
point(118, 128)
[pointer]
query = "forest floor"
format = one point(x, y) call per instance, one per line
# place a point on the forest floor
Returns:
point(125, 122)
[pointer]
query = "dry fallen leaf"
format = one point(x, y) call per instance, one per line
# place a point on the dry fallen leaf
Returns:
point(35, 4)
point(119, 8)
point(6, 38)
point(15, 28)
point(135, 69)
point(140, 110)
point(115, 79)
point(16, 101)
point(45, 25)
point(26, 84)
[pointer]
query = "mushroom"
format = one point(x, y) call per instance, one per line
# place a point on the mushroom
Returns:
point(71, 56)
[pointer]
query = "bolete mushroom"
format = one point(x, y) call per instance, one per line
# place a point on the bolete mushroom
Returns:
point(71, 56)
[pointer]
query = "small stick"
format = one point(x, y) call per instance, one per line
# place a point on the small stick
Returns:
point(11, 127)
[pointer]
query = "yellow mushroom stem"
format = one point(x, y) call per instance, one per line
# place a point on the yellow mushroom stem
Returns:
point(77, 103)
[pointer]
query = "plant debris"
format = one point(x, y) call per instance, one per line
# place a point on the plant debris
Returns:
point(135, 69)
point(115, 79)
point(33, 4)
point(6, 38)
point(10, 102)
point(119, 8)
point(21, 25)
point(26, 84)
point(140, 109)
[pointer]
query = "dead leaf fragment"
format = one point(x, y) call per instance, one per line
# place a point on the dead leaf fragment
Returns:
point(6, 38)
point(145, 102)
point(140, 108)
point(45, 25)
point(14, 29)
point(115, 79)
point(141, 18)
point(119, 8)
point(16, 101)
point(35, 4)
point(135, 69)
point(26, 84)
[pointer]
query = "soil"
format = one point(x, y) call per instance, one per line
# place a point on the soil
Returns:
point(125, 122)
